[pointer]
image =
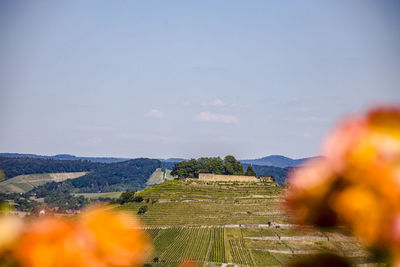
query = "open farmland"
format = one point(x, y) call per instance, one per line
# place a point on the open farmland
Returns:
point(24, 183)
point(238, 223)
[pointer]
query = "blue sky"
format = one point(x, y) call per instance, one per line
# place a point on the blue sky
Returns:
point(190, 78)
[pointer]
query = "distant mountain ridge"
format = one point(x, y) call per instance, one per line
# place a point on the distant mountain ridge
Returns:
point(174, 160)
point(272, 160)
point(65, 157)
point(276, 161)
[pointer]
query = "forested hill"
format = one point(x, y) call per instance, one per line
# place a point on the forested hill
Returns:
point(121, 176)
point(18, 166)
point(102, 177)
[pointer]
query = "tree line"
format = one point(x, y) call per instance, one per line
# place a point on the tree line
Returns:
point(215, 165)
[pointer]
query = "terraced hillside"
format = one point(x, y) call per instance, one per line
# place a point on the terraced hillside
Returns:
point(241, 224)
point(24, 183)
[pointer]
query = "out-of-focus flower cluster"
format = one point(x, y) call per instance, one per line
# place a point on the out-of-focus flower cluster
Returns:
point(357, 181)
point(97, 238)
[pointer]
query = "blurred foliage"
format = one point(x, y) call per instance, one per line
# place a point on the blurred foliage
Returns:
point(356, 182)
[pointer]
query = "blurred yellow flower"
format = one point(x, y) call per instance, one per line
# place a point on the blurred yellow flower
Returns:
point(10, 228)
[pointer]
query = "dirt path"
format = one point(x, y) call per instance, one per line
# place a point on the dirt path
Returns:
point(298, 238)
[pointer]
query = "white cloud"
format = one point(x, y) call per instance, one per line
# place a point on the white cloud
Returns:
point(215, 117)
point(221, 104)
point(215, 103)
point(155, 113)
point(218, 103)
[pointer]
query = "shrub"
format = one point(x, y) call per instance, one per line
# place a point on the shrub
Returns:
point(142, 210)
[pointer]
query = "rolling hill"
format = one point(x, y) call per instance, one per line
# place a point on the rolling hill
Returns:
point(25, 183)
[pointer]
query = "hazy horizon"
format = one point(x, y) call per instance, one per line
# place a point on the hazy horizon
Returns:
point(190, 79)
point(177, 157)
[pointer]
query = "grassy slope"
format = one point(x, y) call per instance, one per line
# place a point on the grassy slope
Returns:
point(24, 183)
point(158, 177)
point(186, 206)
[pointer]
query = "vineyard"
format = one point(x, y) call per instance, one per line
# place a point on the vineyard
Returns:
point(237, 224)
point(217, 246)
point(239, 253)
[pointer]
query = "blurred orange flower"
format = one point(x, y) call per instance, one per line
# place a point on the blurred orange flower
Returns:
point(189, 263)
point(53, 242)
point(357, 182)
point(98, 238)
point(119, 241)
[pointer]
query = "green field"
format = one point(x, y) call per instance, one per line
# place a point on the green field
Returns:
point(24, 183)
point(228, 223)
point(113, 195)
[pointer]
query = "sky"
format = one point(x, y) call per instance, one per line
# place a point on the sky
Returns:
point(187, 79)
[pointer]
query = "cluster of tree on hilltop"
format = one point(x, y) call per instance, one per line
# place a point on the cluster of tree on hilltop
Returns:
point(191, 168)
point(229, 165)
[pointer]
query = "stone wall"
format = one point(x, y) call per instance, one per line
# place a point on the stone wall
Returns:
point(232, 178)
point(267, 179)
